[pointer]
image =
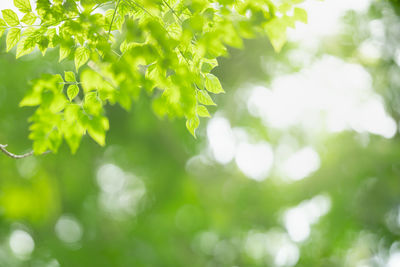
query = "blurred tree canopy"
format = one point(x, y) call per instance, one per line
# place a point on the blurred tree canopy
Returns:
point(299, 165)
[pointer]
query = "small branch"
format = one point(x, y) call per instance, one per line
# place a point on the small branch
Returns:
point(172, 10)
point(14, 156)
point(113, 18)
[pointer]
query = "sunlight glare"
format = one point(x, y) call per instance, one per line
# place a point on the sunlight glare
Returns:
point(255, 160)
point(21, 243)
point(221, 139)
point(68, 229)
point(301, 164)
point(330, 94)
point(298, 220)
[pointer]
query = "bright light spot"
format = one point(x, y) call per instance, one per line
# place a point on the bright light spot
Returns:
point(225, 252)
point(371, 117)
point(27, 167)
point(221, 139)
point(110, 178)
point(371, 50)
point(324, 19)
point(394, 260)
point(297, 225)
point(68, 229)
point(330, 95)
point(53, 263)
point(272, 245)
point(287, 255)
point(21, 243)
point(377, 29)
point(207, 242)
point(301, 164)
point(255, 245)
point(298, 220)
point(255, 160)
point(122, 192)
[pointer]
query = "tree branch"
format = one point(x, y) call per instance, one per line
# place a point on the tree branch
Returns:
point(14, 156)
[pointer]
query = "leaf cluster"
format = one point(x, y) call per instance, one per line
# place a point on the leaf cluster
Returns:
point(166, 48)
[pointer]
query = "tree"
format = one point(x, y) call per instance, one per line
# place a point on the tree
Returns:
point(120, 48)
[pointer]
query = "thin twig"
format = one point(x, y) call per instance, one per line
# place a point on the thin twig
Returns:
point(14, 156)
point(113, 17)
point(173, 11)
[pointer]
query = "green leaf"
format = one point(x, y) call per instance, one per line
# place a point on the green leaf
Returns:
point(26, 46)
point(192, 124)
point(3, 27)
point(72, 91)
point(202, 111)
point(300, 15)
point(204, 98)
point(73, 129)
point(97, 128)
point(82, 55)
point(10, 17)
point(276, 31)
point(23, 5)
point(213, 85)
point(64, 52)
point(69, 76)
point(32, 98)
point(29, 18)
point(13, 36)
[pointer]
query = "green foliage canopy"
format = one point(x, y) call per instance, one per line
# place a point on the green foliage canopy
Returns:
point(166, 48)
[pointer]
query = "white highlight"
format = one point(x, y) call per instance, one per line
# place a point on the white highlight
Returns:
point(273, 245)
point(298, 220)
point(121, 192)
point(301, 164)
point(221, 139)
point(330, 95)
point(21, 243)
point(110, 178)
point(68, 229)
point(255, 160)
point(324, 19)
point(394, 260)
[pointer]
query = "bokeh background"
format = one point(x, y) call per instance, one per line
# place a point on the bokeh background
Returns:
point(299, 166)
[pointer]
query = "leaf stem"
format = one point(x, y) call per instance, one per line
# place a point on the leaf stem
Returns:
point(113, 18)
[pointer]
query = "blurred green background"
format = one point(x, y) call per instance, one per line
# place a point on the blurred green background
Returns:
point(299, 166)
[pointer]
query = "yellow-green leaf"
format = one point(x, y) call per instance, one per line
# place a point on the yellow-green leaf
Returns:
point(72, 91)
point(10, 17)
point(3, 27)
point(204, 98)
point(69, 76)
point(23, 5)
point(29, 18)
point(300, 15)
point(202, 111)
point(192, 124)
point(26, 46)
point(82, 55)
point(97, 128)
point(13, 37)
point(64, 52)
point(213, 85)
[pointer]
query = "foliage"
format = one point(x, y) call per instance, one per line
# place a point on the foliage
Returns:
point(166, 48)
point(168, 202)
